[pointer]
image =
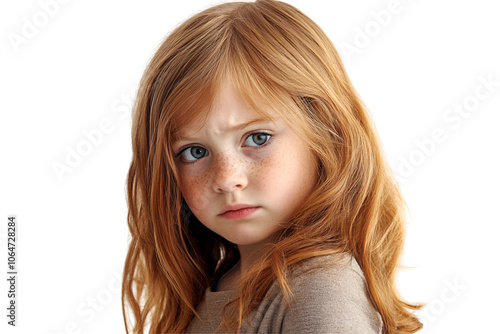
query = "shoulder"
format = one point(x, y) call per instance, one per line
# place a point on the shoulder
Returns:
point(330, 295)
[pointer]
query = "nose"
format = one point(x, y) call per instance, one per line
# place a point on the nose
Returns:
point(229, 174)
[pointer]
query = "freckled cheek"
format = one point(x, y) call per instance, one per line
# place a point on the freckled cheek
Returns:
point(268, 171)
point(194, 190)
point(284, 178)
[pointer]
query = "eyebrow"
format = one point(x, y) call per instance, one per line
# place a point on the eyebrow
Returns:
point(232, 129)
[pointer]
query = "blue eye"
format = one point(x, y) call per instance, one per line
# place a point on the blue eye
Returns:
point(258, 138)
point(196, 152)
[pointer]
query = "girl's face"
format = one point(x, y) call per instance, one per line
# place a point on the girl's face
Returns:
point(236, 159)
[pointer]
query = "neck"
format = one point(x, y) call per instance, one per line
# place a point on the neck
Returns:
point(248, 256)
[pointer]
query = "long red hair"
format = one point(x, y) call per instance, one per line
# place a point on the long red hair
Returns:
point(277, 58)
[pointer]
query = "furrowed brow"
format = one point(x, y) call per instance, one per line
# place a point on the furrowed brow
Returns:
point(232, 129)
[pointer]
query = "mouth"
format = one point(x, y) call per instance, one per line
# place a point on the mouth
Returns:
point(239, 214)
point(238, 211)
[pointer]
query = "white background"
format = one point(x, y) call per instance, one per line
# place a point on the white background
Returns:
point(81, 66)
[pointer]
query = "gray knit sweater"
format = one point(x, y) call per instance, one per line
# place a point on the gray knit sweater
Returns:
point(327, 300)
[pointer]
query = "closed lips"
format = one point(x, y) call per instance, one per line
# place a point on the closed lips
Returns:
point(235, 207)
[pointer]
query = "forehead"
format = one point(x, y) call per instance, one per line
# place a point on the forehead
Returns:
point(228, 113)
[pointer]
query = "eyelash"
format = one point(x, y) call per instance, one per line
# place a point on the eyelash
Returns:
point(250, 135)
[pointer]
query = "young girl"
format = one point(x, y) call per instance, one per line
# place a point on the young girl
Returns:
point(259, 197)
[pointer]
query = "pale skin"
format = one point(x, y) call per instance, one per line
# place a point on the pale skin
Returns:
point(266, 165)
